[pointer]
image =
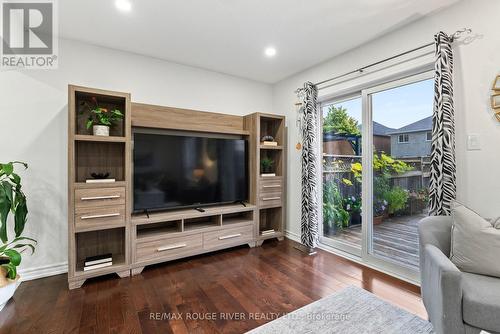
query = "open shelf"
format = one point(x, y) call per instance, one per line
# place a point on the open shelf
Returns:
point(272, 126)
point(237, 218)
point(271, 219)
point(277, 157)
point(270, 147)
point(151, 231)
point(192, 224)
point(99, 157)
point(97, 243)
point(92, 138)
point(84, 103)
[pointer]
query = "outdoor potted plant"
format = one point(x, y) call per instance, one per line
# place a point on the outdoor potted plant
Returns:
point(12, 201)
point(396, 199)
point(353, 207)
point(335, 217)
point(379, 210)
point(266, 165)
point(101, 119)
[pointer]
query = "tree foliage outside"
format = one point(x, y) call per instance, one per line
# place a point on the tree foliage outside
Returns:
point(338, 121)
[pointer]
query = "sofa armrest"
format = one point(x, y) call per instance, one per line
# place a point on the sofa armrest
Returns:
point(442, 291)
point(436, 231)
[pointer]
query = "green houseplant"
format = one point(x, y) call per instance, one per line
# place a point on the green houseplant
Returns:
point(12, 202)
point(266, 165)
point(101, 119)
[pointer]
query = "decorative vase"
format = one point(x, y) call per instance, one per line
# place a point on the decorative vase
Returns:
point(100, 130)
point(7, 287)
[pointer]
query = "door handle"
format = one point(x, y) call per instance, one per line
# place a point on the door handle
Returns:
point(270, 198)
point(273, 186)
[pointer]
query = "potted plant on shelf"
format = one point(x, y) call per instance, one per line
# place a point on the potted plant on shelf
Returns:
point(12, 201)
point(101, 119)
point(266, 165)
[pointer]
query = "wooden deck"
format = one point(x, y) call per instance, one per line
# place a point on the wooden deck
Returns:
point(396, 239)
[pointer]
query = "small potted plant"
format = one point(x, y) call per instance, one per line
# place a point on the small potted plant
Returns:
point(353, 206)
point(12, 201)
point(379, 210)
point(101, 119)
point(266, 165)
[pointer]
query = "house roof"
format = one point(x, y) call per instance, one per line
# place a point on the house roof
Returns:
point(424, 124)
point(380, 129)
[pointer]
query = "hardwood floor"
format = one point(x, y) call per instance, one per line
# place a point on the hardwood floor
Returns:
point(256, 284)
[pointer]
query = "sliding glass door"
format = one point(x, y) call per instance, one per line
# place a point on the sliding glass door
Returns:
point(375, 177)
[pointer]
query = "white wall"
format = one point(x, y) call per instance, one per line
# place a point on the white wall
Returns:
point(33, 128)
point(476, 65)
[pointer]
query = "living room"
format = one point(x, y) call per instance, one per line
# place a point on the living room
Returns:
point(263, 167)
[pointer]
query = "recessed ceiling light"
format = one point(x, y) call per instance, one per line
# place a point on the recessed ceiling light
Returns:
point(123, 5)
point(270, 52)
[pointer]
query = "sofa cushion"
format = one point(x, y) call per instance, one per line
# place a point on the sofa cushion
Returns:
point(475, 243)
point(481, 301)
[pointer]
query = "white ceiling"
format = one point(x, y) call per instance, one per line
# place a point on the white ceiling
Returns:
point(229, 36)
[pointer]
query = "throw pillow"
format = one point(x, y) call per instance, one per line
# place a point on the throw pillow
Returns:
point(475, 242)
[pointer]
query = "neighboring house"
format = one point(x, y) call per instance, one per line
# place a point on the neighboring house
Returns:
point(351, 145)
point(381, 138)
point(412, 140)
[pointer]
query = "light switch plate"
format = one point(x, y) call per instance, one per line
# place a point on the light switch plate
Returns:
point(473, 142)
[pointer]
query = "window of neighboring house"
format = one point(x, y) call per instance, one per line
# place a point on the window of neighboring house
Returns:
point(404, 138)
point(429, 135)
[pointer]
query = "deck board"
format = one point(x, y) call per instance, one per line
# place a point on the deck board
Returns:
point(395, 240)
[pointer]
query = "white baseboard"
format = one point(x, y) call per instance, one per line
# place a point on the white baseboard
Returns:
point(43, 271)
point(292, 236)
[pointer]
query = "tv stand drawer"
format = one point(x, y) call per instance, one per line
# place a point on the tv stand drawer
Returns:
point(107, 216)
point(96, 197)
point(271, 200)
point(169, 248)
point(228, 237)
point(271, 185)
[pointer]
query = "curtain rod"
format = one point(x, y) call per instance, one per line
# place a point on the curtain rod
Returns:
point(452, 37)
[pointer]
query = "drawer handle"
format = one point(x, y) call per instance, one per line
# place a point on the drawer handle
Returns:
point(166, 248)
point(230, 236)
point(100, 216)
point(270, 198)
point(99, 197)
point(273, 186)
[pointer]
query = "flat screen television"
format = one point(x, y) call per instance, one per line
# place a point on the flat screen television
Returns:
point(174, 171)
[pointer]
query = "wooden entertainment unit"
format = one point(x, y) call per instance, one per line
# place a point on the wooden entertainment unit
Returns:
point(100, 219)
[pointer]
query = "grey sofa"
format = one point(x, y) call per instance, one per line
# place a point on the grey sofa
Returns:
point(456, 302)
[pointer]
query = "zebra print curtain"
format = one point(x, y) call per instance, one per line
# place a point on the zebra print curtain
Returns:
point(309, 217)
point(442, 182)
